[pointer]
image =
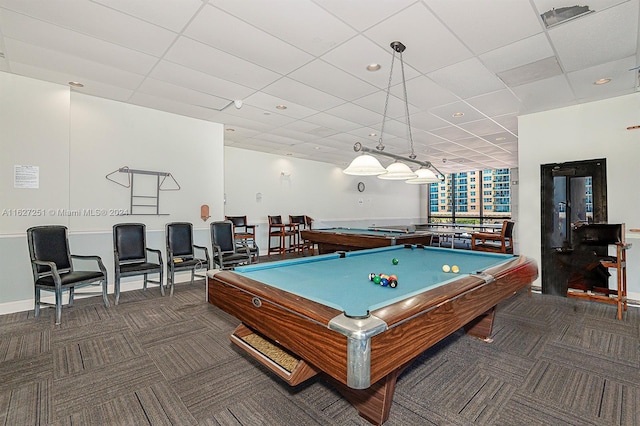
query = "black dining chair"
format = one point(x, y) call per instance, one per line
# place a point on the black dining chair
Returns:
point(53, 269)
point(181, 252)
point(130, 256)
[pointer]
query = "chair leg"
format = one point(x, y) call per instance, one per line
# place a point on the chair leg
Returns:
point(58, 293)
point(116, 289)
point(105, 297)
point(144, 285)
point(70, 296)
point(36, 308)
point(172, 277)
point(161, 283)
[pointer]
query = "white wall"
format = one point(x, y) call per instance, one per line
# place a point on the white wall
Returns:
point(315, 189)
point(582, 132)
point(76, 140)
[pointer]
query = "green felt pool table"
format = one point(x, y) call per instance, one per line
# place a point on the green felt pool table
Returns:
point(324, 311)
point(330, 240)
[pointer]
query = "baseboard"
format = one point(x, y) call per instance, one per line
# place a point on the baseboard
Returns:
point(27, 304)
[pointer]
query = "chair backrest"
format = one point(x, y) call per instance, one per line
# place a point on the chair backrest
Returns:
point(180, 238)
point(240, 221)
point(308, 221)
point(129, 241)
point(275, 220)
point(222, 235)
point(49, 243)
point(300, 220)
point(507, 229)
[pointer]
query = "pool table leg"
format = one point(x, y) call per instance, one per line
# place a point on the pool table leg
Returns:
point(373, 403)
point(482, 325)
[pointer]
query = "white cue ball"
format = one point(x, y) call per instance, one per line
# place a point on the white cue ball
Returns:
point(445, 268)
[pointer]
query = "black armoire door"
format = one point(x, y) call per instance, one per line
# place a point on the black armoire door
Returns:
point(572, 193)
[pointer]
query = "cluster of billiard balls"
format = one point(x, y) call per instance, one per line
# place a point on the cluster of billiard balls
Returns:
point(384, 280)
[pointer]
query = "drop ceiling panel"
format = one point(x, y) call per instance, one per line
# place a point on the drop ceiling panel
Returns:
point(314, 30)
point(598, 37)
point(170, 91)
point(55, 38)
point(164, 104)
point(446, 112)
point(551, 91)
point(475, 26)
point(218, 29)
point(248, 112)
point(98, 21)
point(173, 15)
point(361, 14)
point(327, 78)
point(354, 55)
point(355, 114)
point(622, 80)
point(425, 93)
point(482, 127)
point(518, 53)
point(323, 119)
point(63, 63)
point(467, 78)
point(199, 56)
point(197, 80)
point(269, 103)
point(496, 103)
point(430, 45)
point(294, 91)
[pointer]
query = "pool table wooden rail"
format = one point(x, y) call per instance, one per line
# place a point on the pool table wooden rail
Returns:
point(332, 241)
point(413, 325)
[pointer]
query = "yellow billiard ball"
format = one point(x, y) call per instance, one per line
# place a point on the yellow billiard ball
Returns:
point(455, 269)
point(446, 268)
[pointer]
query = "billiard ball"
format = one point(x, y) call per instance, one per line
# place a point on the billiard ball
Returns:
point(455, 269)
point(393, 283)
point(394, 261)
point(371, 276)
point(377, 279)
point(384, 282)
point(393, 277)
point(446, 268)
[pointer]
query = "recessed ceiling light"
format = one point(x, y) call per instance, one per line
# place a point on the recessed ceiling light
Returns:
point(501, 138)
point(458, 114)
point(289, 154)
point(75, 84)
point(316, 147)
point(373, 134)
point(266, 113)
point(230, 129)
point(373, 67)
point(602, 81)
point(281, 107)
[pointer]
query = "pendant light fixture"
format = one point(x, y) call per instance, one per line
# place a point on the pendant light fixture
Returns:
point(367, 165)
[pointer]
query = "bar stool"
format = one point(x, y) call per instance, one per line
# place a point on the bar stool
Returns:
point(285, 234)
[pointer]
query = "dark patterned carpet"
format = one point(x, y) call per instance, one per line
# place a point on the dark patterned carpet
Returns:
point(168, 360)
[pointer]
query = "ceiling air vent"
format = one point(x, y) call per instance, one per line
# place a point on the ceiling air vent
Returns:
point(557, 16)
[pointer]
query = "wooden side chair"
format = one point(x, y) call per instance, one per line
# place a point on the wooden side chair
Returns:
point(501, 242)
point(303, 222)
point(53, 270)
point(284, 233)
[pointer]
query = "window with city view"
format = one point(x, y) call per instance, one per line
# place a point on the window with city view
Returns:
point(481, 196)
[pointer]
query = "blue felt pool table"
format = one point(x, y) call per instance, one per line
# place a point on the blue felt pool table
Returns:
point(326, 312)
